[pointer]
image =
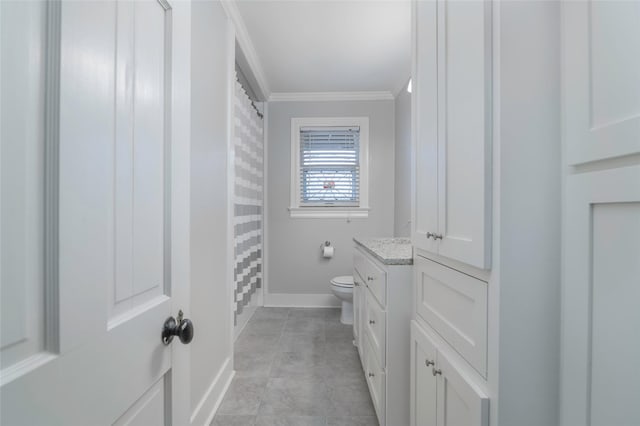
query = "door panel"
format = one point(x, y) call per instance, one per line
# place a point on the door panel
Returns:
point(423, 382)
point(600, 378)
point(425, 122)
point(601, 89)
point(148, 410)
point(22, 285)
point(141, 218)
point(464, 130)
point(107, 165)
point(455, 305)
point(459, 402)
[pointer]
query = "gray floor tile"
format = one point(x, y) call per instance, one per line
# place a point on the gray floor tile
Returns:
point(270, 313)
point(339, 330)
point(290, 421)
point(352, 421)
point(243, 396)
point(253, 364)
point(257, 343)
point(301, 342)
point(315, 376)
point(297, 397)
point(317, 313)
point(305, 325)
point(232, 420)
point(264, 327)
point(299, 364)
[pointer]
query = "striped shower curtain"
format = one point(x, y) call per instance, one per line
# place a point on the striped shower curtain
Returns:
point(248, 190)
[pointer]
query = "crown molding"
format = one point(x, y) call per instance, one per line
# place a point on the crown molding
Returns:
point(330, 96)
point(248, 50)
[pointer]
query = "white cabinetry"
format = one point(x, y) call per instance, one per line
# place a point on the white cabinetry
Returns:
point(382, 312)
point(487, 207)
point(441, 393)
point(600, 378)
point(452, 126)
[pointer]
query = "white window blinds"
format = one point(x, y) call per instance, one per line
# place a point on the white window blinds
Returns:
point(330, 166)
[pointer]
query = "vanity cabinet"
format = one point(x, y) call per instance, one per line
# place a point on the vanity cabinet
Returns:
point(382, 313)
point(451, 100)
point(441, 394)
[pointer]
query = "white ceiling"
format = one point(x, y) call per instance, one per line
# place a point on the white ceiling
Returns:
point(330, 45)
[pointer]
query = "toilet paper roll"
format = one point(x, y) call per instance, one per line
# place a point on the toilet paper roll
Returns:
point(327, 251)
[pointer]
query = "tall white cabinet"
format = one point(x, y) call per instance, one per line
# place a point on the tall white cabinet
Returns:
point(601, 230)
point(453, 157)
point(486, 213)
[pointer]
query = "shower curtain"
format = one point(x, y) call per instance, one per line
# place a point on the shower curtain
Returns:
point(248, 190)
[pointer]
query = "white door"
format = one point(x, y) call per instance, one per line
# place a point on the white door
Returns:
point(464, 130)
point(600, 378)
point(425, 125)
point(460, 403)
point(94, 231)
point(423, 381)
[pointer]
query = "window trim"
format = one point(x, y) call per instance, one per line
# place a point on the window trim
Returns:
point(296, 210)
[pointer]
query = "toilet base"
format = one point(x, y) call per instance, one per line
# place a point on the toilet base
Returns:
point(346, 316)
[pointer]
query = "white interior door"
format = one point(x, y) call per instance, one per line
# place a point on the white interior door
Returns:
point(93, 228)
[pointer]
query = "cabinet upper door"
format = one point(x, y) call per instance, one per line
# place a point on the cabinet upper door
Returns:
point(425, 124)
point(601, 87)
point(464, 130)
point(460, 402)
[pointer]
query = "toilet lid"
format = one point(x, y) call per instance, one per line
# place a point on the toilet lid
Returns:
point(343, 281)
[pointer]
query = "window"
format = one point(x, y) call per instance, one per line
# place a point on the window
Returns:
point(329, 167)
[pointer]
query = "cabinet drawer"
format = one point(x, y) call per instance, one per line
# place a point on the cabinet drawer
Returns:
point(455, 305)
point(375, 380)
point(375, 325)
point(374, 277)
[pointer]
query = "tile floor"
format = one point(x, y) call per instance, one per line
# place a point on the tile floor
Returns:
point(296, 367)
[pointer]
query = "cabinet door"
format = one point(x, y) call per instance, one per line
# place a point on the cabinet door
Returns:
point(464, 130)
point(423, 382)
point(601, 341)
point(460, 402)
point(601, 88)
point(425, 124)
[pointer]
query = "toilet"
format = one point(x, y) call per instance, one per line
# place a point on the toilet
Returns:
point(342, 288)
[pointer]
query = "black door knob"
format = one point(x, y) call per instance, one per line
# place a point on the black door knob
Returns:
point(181, 327)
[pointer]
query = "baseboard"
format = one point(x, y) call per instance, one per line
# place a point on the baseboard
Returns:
point(208, 405)
point(243, 319)
point(287, 300)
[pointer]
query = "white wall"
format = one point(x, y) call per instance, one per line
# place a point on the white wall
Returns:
point(293, 262)
point(402, 191)
point(211, 309)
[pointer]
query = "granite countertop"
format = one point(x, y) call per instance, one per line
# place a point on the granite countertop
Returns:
point(390, 251)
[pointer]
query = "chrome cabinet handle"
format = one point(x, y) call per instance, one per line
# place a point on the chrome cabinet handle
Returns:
point(429, 235)
point(436, 372)
point(428, 362)
point(372, 322)
point(372, 375)
point(370, 278)
point(434, 236)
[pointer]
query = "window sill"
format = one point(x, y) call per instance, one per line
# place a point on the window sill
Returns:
point(329, 212)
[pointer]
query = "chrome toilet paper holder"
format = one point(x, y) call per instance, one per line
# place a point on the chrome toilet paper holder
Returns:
point(326, 244)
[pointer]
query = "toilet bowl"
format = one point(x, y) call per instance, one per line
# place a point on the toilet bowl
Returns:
point(342, 288)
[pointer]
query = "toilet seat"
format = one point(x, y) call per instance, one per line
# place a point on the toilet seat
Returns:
point(343, 281)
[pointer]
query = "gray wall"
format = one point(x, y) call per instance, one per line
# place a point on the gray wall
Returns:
point(293, 262)
point(211, 309)
point(402, 216)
